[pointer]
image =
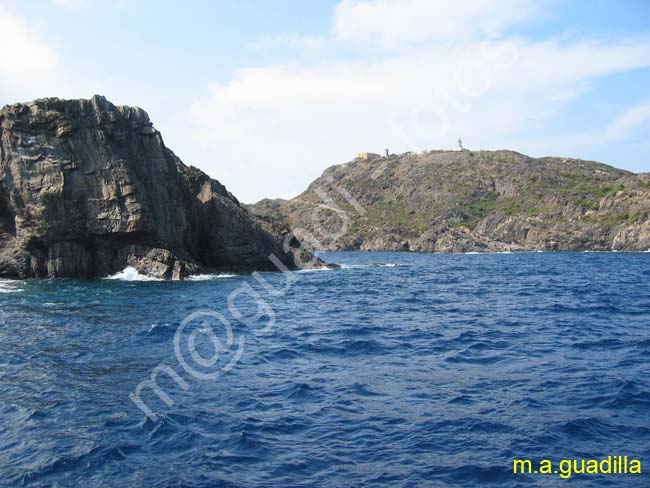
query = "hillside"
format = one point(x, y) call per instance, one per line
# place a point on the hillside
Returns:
point(448, 201)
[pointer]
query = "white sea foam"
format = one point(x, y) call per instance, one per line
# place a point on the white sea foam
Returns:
point(210, 277)
point(371, 265)
point(131, 274)
point(10, 286)
point(312, 270)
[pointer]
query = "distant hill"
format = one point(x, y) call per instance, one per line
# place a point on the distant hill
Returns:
point(465, 201)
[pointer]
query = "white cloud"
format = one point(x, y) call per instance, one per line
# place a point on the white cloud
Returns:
point(624, 127)
point(70, 3)
point(285, 123)
point(306, 46)
point(27, 60)
point(395, 22)
point(627, 123)
point(403, 75)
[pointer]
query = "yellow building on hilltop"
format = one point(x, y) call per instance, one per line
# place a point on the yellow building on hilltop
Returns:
point(368, 156)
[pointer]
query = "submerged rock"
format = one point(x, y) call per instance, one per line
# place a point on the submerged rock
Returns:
point(88, 188)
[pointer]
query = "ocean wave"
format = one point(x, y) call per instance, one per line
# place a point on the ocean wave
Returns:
point(360, 358)
point(9, 286)
point(362, 347)
point(303, 392)
point(312, 270)
point(159, 329)
point(371, 265)
point(131, 274)
point(210, 277)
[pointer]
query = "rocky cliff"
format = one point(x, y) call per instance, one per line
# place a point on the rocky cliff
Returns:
point(448, 201)
point(88, 188)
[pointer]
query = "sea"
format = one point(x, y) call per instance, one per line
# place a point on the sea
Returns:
point(397, 370)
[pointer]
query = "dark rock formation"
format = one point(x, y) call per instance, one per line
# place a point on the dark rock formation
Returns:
point(448, 201)
point(88, 188)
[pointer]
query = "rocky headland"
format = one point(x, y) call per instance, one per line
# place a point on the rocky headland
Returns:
point(469, 201)
point(88, 188)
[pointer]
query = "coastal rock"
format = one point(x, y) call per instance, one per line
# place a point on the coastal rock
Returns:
point(88, 188)
point(635, 237)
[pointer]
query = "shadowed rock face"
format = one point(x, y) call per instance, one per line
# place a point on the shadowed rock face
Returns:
point(88, 188)
point(470, 201)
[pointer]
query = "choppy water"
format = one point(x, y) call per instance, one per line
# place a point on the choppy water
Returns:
point(437, 371)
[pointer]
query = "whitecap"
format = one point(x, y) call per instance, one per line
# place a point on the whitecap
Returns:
point(154, 327)
point(311, 270)
point(371, 265)
point(9, 286)
point(131, 274)
point(209, 277)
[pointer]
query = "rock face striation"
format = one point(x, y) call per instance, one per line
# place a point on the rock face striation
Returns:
point(469, 201)
point(88, 188)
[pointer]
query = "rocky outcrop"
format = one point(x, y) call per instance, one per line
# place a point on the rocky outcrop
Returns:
point(481, 201)
point(88, 188)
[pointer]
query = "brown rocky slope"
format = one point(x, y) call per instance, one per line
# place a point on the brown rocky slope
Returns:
point(88, 188)
point(469, 201)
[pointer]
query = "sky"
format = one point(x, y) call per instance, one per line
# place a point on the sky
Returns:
point(264, 95)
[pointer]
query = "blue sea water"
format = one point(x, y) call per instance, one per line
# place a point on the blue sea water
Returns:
point(426, 370)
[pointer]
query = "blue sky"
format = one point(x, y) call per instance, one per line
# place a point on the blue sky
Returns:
point(264, 95)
